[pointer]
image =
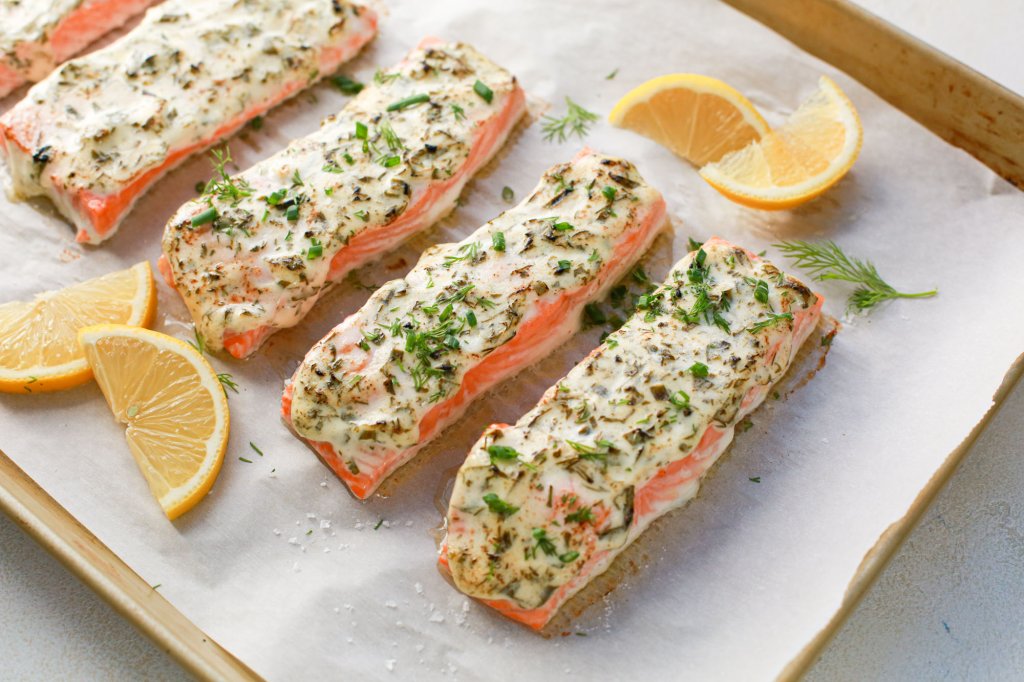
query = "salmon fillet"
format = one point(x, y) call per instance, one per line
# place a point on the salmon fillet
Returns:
point(542, 507)
point(390, 164)
point(37, 35)
point(393, 375)
point(98, 131)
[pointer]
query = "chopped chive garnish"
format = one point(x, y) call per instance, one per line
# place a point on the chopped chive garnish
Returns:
point(594, 314)
point(498, 505)
point(609, 193)
point(276, 197)
point(348, 159)
point(246, 460)
point(363, 215)
point(207, 216)
point(391, 161)
point(507, 194)
point(361, 131)
point(485, 92)
point(681, 399)
point(408, 102)
point(346, 85)
point(471, 318)
point(288, 237)
point(501, 452)
point(255, 449)
point(569, 556)
point(316, 250)
point(379, 524)
point(498, 241)
point(699, 369)
point(761, 291)
point(292, 213)
point(563, 266)
point(562, 226)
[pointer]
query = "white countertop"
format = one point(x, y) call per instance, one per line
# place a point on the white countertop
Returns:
point(950, 605)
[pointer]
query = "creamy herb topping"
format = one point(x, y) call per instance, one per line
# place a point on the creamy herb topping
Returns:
point(367, 386)
point(535, 502)
point(259, 249)
point(188, 69)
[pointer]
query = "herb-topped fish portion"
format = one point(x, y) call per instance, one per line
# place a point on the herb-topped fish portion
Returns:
point(542, 507)
point(256, 251)
point(36, 35)
point(390, 377)
point(101, 129)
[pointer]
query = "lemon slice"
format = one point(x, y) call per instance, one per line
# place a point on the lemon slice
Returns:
point(799, 160)
point(39, 338)
point(173, 404)
point(699, 118)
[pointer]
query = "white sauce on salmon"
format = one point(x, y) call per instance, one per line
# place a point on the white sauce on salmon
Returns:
point(187, 70)
point(537, 502)
point(367, 386)
point(269, 253)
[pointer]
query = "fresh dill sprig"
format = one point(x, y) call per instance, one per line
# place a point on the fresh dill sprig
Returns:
point(199, 344)
point(227, 381)
point(826, 260)
point(381, 77)
point(391, 138)
point(577, 121)
point(222, 185)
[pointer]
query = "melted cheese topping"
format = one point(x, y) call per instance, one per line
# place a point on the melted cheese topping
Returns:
point(270, 254)
point(367, 386)
point(188, 69)
point(541, 505)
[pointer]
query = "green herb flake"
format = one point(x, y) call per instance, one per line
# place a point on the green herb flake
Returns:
point(410, 101)
point(255, 449)
point(594, 314)
point(207, 216)
point(576, 121)
point(346, 85)
point(316, 249)
point(499, 506)
point(501, 453)
point(486, 94)
point(754, 479)
point(699, 369)
point(507, 194)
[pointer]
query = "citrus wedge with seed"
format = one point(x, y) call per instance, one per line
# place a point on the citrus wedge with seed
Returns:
point(39, 338)
point(797, 161)
point(698, 118)
point(172, 403)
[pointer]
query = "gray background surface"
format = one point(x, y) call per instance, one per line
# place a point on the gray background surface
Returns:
point(947, 607)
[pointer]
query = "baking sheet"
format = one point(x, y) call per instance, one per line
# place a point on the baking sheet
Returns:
point(731, 587)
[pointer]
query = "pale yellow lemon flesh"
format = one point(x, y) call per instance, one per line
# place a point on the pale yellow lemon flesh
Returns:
point(173, 406)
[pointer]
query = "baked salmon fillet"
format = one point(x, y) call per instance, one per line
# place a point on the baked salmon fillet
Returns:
point(37, 35)
point(542, 507)
point(256, 252)
point(391, 376)
point(97, 132)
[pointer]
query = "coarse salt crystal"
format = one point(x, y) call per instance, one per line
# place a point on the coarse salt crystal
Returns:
point(293, 541)
point(277, 532)
point(324, 524)
point(310, 515)
point(390, 664)
point(391, 604)
point(419, 588)
point(436, 617)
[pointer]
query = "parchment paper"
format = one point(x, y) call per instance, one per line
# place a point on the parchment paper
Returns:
point(288, 571)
